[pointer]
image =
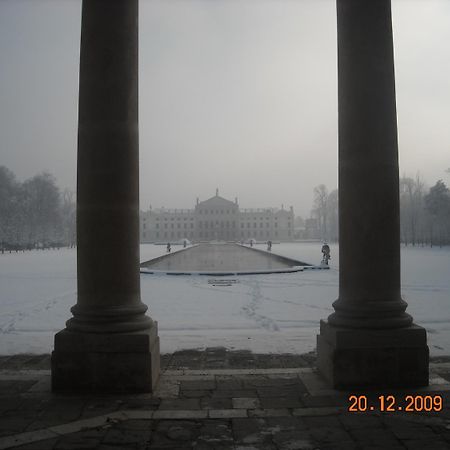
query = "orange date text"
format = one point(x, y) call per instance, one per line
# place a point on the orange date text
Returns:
point(392, 403)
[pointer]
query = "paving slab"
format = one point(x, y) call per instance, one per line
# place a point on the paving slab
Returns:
point(215, 406)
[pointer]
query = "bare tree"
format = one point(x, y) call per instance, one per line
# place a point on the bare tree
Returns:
point(320, 209)
point(333, 216)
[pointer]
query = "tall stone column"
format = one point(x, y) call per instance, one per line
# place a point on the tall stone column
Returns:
point(109, 344)
point(369, 340)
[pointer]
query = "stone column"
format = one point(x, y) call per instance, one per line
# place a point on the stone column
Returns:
point(369, 340)
point(109, 344)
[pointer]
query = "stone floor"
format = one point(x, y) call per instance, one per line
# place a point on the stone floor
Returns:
point(218, 399)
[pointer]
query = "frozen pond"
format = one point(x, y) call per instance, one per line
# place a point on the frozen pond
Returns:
point(265, 313)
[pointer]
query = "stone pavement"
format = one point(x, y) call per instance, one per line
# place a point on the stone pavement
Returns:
point(219, 399)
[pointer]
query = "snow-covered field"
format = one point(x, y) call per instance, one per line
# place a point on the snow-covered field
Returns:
point(275, 313)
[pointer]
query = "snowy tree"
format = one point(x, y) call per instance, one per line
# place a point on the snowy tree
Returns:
point(412, 212)
point(437, 203)
point(43, 216)
point(68, 212)
point(8, 206)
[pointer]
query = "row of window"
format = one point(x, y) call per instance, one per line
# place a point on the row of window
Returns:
point(178, 219)
point(172, 234)
point(173, 218)
point(212, 234)
point(217, 224)
point(172, 225)
point(216, 211)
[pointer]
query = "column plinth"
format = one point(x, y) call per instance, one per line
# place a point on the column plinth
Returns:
point(370, 340)
point(110, 344)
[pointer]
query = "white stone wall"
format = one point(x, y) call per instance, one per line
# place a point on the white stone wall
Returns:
point(217, 219)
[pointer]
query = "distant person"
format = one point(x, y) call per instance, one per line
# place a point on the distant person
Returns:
point(168, 247)
point(251, 242)
point(326, 253)
point(184, 243)
point(269, 246)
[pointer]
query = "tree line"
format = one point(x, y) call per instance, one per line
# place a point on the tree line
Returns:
point(424, 212)
point(35, 213)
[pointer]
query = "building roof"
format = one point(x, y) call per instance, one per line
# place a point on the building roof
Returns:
point(217, 201)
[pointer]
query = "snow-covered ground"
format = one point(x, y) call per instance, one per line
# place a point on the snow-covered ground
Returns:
point(264, 313)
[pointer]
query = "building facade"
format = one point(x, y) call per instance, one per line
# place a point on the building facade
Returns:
point(217, 219)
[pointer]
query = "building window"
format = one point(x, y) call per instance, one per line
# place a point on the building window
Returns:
point(165, 225)
point(276, 225)
point(165, 234)
point(261, 225)
point(171, 225)
point(145, 235)
point(157, 225)
point(192, 225)
point(157, 234)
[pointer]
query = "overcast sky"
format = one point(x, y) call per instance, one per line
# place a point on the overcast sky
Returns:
point(239, 95)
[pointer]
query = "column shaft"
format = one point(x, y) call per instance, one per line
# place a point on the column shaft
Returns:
point(108, 171)
point(369, 220)
point(369, 341)
point(109, 345)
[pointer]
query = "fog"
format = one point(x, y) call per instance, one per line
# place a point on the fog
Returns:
point(236, 95)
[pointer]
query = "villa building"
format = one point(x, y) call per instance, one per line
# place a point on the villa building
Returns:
point(217, 219)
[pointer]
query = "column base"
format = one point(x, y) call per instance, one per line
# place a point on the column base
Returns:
point(364, 358)
point(113, 362)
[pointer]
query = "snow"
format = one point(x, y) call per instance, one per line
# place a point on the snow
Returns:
point(276, 313)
